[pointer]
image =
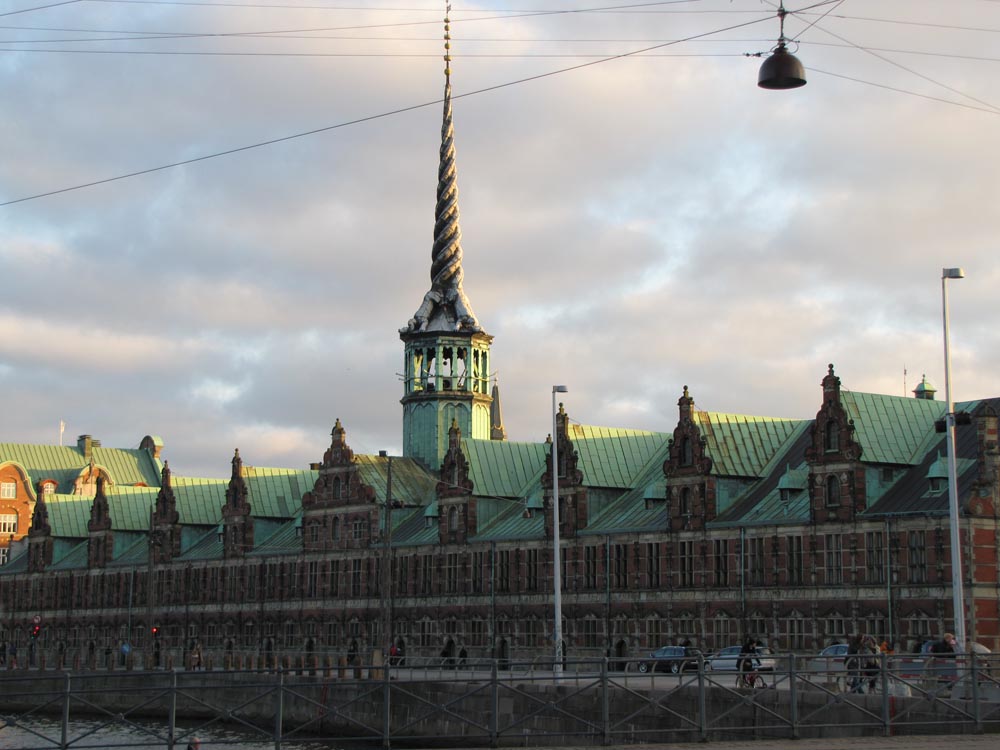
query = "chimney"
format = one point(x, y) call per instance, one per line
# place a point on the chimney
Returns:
point(86, 444)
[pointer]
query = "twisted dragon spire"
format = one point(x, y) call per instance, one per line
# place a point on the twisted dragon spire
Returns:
point(445, 306)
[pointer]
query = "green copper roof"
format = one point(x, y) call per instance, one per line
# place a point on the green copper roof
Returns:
point(73, 558)
point(64, 464)
point(68, 515)
point(499, 468)
point(642, 508)
point(611, 457)
point(411, 483)
point(510, 524)
point(743, 446)
point(273, 493)
point(892, 429)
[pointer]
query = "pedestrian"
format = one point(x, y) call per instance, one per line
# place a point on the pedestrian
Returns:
point(942, 655)
point(853, 666)
point(870, 663)
point(947, 646)
point(13, 656)
point(194, 744)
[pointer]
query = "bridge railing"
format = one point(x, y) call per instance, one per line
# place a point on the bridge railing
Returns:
point(491, 703)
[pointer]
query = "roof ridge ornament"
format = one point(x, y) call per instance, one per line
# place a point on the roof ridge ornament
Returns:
point(445, 306)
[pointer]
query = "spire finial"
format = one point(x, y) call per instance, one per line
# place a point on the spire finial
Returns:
point(447, 50)
point(445, 306)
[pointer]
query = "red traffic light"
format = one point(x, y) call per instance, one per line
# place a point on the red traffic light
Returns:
point(156, 631)
point(36, 631)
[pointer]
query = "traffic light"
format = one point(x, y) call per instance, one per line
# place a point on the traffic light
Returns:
point(156, 632)
point(36, 630)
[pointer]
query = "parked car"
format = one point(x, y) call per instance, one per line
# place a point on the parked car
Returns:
point(729, 659)
point(672, 659)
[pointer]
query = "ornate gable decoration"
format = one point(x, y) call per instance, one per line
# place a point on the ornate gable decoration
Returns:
point(832, 432)
point(40, 516)
point(100, 546)
point(165, 539)
point(837, 479)
point(100, 513)
point(687, 447)
point(454, 480)
point(338, 483)
point(166, 503)
point(40, 544)
point(572, 500)
point(569, 474)
point(237, 493)
point(236, 518)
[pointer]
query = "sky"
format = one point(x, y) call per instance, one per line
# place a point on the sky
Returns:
point(633, 222)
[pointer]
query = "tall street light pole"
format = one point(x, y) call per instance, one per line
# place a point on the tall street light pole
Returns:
point(958, 600)
point(557, 667)
point(385, 584)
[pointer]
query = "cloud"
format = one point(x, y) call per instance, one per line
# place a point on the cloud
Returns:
point(629, 227)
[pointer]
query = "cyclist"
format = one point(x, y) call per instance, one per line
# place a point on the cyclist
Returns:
point(746, 663)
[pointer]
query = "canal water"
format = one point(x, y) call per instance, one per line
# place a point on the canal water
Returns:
point(45, 733)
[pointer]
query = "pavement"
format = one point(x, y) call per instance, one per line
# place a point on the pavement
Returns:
point(907, 742)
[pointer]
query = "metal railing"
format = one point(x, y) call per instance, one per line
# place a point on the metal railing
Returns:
point(433, 702)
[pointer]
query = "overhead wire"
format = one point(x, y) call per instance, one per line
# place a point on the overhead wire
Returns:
point(180, 53)
point(911, 71)
point(378, 26)
point(987, 108)
point(634, 53)
point(39, 7)
point(368, 118)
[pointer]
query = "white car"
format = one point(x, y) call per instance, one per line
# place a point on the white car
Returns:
point(830, 662)
point(729, 659)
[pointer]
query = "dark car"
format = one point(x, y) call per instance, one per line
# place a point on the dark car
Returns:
point(672, 659)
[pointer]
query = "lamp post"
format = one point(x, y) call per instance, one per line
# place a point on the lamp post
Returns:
point(385, 585)
point(958, 600)
point(556, 569)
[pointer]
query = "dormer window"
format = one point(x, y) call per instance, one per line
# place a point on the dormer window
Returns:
point(786, 496)
point(687, 452)
point(8, 490)
point(831, 442)
point(832, 490)
point(937, 484)
point(685, 502)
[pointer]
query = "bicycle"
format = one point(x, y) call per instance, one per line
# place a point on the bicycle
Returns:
point(750, 679)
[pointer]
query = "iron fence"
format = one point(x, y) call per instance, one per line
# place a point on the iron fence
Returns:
point(434, 703)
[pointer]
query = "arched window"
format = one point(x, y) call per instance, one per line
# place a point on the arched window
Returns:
point(337, 488)
point(831, 440)
point(453, 518)
point(336, 529)
point(832, 490)
point(685, 503)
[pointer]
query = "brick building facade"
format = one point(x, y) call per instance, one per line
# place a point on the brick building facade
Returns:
point(798, 532)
